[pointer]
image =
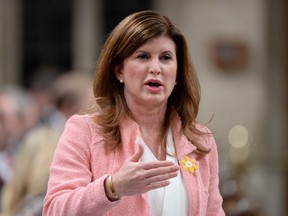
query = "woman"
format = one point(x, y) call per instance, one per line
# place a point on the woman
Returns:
point(140, 152)
point(24, 192)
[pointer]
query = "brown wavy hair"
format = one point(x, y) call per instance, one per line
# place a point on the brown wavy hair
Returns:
point(125, 38)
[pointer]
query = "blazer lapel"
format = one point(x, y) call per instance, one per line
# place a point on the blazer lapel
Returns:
point(129, 132)
point(185, 148)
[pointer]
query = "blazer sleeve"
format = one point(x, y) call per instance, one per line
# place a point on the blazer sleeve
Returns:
point(214, 207)
point(71, 190)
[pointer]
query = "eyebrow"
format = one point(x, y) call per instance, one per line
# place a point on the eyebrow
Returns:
point(143, 51)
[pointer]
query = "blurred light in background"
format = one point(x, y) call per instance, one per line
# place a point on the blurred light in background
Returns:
point(240, 146)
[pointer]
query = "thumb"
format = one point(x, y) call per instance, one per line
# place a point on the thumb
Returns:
point(138, 154)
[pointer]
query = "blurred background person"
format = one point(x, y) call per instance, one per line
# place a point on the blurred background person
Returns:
point(24, 193)
point(18, 115)
point(40, 88)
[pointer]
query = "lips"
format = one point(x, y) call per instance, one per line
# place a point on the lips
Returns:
point(153, 83)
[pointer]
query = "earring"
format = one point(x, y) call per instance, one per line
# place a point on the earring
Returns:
point(121, 81)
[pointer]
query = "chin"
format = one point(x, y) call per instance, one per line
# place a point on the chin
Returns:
point(154, 102)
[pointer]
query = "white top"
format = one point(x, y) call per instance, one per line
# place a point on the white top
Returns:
point(173, 199)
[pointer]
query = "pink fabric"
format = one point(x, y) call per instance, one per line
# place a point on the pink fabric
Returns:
point(81, 164)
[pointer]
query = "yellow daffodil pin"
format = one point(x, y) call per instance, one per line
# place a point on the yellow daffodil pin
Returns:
point(189, 164)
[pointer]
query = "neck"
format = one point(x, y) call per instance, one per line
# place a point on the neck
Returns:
point(151, 125)
point(150, 119)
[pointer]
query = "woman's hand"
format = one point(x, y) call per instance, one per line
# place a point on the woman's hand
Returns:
point(135, 177)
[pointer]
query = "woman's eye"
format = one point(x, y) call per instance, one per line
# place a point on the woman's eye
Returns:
point(166, 57)
point(143, 56)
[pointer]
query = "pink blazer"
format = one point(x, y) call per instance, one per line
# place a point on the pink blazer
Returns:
point(81, 164)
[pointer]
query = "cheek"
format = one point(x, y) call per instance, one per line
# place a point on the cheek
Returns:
point(173, 73)
point(172, 77)
point(133, 71)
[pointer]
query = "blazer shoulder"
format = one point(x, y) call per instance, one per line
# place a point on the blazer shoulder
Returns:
point(85, 124)
point(207, 138)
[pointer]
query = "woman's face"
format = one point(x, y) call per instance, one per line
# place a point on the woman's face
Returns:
point(149, 74)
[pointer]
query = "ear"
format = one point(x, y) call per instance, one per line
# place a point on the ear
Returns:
point(118, 72)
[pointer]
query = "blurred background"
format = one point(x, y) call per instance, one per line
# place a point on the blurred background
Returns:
point(239, 50)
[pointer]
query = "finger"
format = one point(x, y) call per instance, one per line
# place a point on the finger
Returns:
point(160, 178)
point(161, 171)
point(156, 164)
point(156, 185)
point(138, 154)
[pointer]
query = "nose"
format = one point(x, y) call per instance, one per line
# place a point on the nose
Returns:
point(155, 67)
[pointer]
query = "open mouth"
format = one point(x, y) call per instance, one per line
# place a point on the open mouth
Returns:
point(153, 83)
